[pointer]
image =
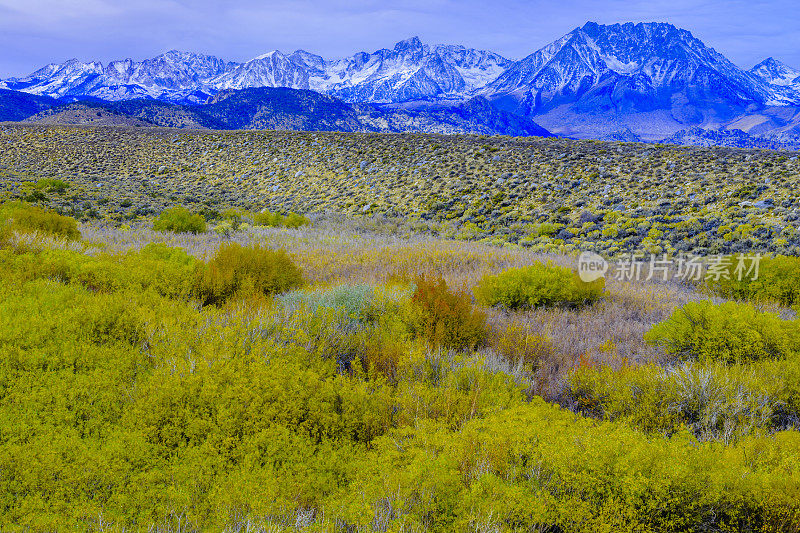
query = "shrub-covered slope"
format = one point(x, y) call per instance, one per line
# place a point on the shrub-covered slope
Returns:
point(546, 194)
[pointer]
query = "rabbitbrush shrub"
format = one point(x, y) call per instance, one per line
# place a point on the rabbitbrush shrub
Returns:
point(157, 267)
point(24, 218)
point(292, 220)
point(129, 410)
point(778, 280)
point(713, 400)
point(537, 285)
point(180, 220)
point(729, 333)
point(245, 270)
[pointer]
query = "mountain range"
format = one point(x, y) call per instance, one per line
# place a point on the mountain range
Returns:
point(653, 80)
point(280, 109)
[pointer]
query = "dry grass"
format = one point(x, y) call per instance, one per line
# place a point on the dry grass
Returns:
point(608, 332)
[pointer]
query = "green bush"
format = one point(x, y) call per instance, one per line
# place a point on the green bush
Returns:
point(209, 419)
point(292, 220)
point(36, 192)
point(446, 318)
point(179, 220)
point(233, 217)
point(537, 285)
point(157, 267)
point(713, 400)
point(729, 333)
point(266, 218)
point(23, 218)
point(778, 280)
point(239, 270)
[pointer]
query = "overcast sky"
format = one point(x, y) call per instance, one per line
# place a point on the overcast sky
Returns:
point(36, 32)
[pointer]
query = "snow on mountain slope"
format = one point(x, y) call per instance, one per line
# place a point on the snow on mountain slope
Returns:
point(776, 73)
point(648, 62)
point(651, 79)
point(170, 76)
point(273, 69)
point(410, 71)
point(70, 77)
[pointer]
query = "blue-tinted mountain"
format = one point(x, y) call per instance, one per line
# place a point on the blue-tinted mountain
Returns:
point(631, 81)
point(292, 109)
point(409, 71)
point(651, 78)
point(15, 105)
point(775, 72)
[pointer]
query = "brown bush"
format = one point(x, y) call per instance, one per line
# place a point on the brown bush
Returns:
point(447, 318)
point(382, 355)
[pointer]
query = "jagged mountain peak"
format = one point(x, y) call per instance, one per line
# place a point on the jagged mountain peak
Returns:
point(268, 55)
point(651, 60)
point(599, 69)
point(777, 73)
point(412, 43)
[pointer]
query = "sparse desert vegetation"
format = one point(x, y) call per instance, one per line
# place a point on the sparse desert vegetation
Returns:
point(402, 345)
point(546, 194)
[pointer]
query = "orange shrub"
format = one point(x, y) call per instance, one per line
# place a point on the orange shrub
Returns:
point(447, 318)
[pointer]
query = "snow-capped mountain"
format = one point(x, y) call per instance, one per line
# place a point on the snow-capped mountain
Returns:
point(273, 69)
point(776, 73)
point(648, 76)
point(170, 76)
point(58, 80)
point(649, 79)
point(410, 71)
point(639, 65)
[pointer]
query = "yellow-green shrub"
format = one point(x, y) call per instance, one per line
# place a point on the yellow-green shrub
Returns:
point(777, 280)
point(292, 220)
point(517, 343)
point(157, 267)
point(537, 285)
point(179, 220)
point(713, 400)
point(233, 217)
point(245, 270)
point(729, 332)
point(23, 218)
point(446, 318)
point(151, 413)
point(536, 467)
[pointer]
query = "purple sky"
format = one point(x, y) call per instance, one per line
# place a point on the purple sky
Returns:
point(36, 32)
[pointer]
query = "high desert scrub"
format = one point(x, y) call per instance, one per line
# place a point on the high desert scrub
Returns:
point(729, 332)
point(292, 220)
point(772, 279)
point(180, 220)
point(238, 270)
point(339, 377)
point(546, 194)
point(447, 318)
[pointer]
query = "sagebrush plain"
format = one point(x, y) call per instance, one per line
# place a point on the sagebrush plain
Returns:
point(287, 331)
